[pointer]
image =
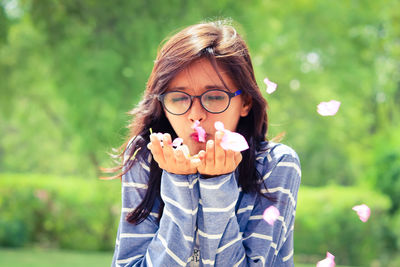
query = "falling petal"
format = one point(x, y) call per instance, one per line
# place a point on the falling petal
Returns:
point(329, 261)
point(271, 214)
point(363, 212)
point(231, 140)
point(328, 108)
point(271, 86)
point(177, 142)
point(201, 133)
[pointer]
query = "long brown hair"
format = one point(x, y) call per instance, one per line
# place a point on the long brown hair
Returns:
point(220, 43)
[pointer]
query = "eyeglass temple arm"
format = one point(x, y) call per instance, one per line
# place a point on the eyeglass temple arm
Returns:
point(238, 92)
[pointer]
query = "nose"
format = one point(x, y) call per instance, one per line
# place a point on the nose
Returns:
point(196, 111)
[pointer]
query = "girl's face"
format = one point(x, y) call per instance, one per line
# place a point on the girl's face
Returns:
point(196, 79)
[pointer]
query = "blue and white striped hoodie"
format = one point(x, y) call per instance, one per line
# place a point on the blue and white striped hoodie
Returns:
point(227, 222)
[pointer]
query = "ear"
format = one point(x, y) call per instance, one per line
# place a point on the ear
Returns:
point(246, 106)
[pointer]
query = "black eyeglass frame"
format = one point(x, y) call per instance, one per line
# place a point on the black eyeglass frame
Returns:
point(192, 97)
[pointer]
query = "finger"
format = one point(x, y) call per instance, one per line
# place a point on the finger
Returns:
point(202, 156)
point(210, 154)
point(167, 149)
point(179, 158)
point(156, 150)
point(230, 160)
point(219, 151)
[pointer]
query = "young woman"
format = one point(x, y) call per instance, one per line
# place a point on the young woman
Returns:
point(205, 209)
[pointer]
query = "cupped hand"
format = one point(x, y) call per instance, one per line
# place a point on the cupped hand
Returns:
point(217, 161)
point(170, 159)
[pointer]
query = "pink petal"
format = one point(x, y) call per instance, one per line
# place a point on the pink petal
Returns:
point(329, 261)
point(234, 141)
point(177, 142)
point(219, 126)
point(200, 131)
point(271, 214)
point(231, 140)
point(363, 212)
point(271, 86)
point(328, 108)
point(195, 124)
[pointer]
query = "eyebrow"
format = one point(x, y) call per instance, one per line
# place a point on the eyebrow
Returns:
point(208, 87)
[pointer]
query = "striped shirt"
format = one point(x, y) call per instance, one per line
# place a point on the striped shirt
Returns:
point(229, 223)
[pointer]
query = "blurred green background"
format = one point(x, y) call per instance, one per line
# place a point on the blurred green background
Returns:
point(70, 70)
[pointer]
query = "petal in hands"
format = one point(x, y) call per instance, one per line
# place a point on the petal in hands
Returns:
point(231, 140)
point(177, 142)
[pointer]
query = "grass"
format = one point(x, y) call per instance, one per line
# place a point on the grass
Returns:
point(35, 257)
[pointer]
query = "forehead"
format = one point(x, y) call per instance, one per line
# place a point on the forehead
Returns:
point(201, 75)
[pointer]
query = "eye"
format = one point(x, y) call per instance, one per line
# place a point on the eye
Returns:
point(179, 99)
point(215, 96)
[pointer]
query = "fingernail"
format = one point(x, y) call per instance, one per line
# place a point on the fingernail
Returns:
point(210, 142)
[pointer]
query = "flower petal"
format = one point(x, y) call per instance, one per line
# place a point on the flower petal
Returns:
point(363, 212)
point(271, 86)
point(177, 142)
point(195, 124)
point(231, 140)
point(271, 214)
point(329, 261)
point(328, 108)
point(234, 141)
point(219, 126)
point(201, 133)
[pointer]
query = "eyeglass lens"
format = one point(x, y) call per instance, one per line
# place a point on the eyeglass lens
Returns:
point(214, 101)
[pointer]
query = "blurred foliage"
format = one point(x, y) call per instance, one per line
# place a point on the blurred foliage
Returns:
point(385, 166)
point(71, 69)
point(50, 211)
point(325, 222)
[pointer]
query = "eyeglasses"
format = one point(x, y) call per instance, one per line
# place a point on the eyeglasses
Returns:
point(214, 101)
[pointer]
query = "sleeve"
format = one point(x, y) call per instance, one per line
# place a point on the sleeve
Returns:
point(167, 243)
point(260, 244)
